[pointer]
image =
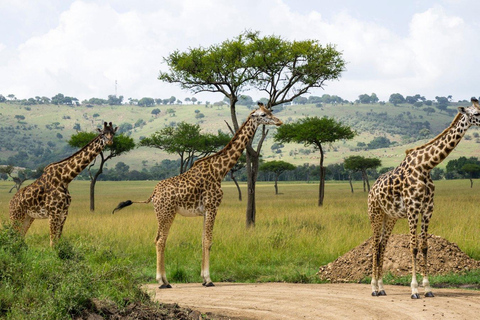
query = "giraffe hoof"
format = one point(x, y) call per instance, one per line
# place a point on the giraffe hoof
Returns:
point(429, 294)
point(374, 293)
point(415, 296)
point(165, 286)
point(209, 284)
point(382, 293)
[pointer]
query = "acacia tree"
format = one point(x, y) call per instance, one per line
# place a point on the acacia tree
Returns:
point(314, 131)
point(362, 164)
point(121, 144)
point(277, 167)
point(471, 170)
point(187, 141)
point(283, 69)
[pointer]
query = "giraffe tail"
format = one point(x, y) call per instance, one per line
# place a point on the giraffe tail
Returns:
point(127, 203)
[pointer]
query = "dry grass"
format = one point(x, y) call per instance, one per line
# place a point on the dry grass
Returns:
point(292, 237)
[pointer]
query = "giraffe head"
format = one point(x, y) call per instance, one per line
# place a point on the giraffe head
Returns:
point(107, 133)
point(262, 115)
point(472, 113)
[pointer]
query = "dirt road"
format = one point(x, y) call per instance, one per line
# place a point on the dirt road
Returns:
point(319, 301)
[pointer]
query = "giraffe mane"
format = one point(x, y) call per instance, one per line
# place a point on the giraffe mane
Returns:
point(454, 122)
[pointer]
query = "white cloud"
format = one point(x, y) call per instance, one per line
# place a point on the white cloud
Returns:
point(92, 44)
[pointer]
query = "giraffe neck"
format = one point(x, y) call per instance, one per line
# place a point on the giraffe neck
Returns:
point(226, 158)
point(71, 167)
point(434, 152)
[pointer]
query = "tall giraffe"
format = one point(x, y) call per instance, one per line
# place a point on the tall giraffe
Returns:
point(48, 196)
point(198, 192)
point(407, 192)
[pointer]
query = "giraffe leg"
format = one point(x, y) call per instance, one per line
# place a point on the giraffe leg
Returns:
point(412, 222)
point(388, 224)
point(424, 247)
point(164, 223)
point(376, 220)
point(55, 222)
point(208, 223)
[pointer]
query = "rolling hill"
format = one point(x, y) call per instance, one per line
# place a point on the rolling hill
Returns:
point(44, 129)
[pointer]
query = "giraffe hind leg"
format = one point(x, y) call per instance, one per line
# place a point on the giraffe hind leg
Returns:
point(388, 224)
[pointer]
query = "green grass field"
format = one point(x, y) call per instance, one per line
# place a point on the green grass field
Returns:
point(292, 237)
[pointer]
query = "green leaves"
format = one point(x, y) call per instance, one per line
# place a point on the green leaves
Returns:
point(313, 131)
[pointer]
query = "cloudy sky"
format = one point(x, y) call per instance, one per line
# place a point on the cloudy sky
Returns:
point(80, 48)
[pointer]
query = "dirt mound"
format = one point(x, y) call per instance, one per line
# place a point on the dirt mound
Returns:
point(443, 257)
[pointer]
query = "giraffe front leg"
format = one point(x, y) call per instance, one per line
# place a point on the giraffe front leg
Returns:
point(424, 246)
point(162, 234)
point(414, 252)
point(376, 220)
point(209, 221)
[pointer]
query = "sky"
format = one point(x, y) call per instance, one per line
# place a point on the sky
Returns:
point(88, 49)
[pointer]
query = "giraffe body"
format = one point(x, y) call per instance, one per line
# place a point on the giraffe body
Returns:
point(48, 196)
point(407, 192)
point(198, 192)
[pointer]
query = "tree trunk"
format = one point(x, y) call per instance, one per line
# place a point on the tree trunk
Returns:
point(238, 187)
point(93, 181)
point(365, 180)
point(252, 171)
point(350, 180)
point(276, 186)
point(471, 183)
point(92, 194)
point(321, 190)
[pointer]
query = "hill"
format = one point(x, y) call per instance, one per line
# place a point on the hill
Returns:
point(41, 131)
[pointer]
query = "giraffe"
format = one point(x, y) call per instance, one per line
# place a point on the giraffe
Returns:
point(407, 192)
point(198, 192)
point(48, 196)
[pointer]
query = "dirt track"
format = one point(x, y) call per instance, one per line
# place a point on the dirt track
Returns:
point(319, 301)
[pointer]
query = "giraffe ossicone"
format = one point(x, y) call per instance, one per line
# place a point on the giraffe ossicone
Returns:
point(198, 192)
point(48, 196)
point(407, 192)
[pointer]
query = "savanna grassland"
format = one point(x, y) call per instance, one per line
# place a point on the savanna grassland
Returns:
point(292, 237)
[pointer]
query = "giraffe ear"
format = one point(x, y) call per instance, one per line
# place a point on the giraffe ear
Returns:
point(99, 130)
point(115, 130)
point(462, 110)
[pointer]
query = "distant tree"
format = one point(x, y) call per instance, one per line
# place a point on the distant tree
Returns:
point(471, 170)
point(194, 100)
point(20, 178)
point(429, 110)
point(121, 144)
point(113, 100)
point(361, 164)
point(19, 117)
point(156, 112)
point(277, 167)
point(2, 99)
point(379, 142)
point(396, 98)
point(187, 141)
point(364, 99)
point(146, 102)
point(245, 100)
point(314, 131)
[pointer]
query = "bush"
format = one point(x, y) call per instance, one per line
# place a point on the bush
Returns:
point(60, 283)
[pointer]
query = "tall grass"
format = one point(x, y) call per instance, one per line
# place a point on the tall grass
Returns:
point(292, 237)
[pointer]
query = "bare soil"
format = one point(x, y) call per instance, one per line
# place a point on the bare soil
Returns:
point(269, 301)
